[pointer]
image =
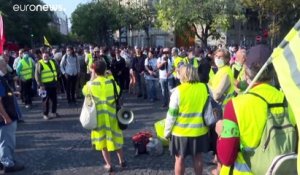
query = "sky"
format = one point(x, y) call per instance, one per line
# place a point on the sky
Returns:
point(68, 5)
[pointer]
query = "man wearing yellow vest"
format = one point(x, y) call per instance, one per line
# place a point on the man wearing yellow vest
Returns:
point(46, 77)
point(238, 71)
point(191, 59)
point(184, 123)
point(25, 70)
point(107, 137)
point(245, 117)
point(178, 60)
point(88, 61)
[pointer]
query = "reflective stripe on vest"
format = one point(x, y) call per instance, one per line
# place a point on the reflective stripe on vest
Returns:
point(46, 74)
point(107, 134)
point(216, 80)
point(27, 70)
point(189, 122)
point(239, 168)
point(247, 109)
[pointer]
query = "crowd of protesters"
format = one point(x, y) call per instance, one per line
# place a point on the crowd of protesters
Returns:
point(148, 73)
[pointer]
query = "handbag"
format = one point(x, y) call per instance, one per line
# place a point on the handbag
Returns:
point(88, 116)
point(208, 114)
point(118, 105)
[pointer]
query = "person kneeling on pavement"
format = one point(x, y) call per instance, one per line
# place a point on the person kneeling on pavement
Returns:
point(46, 77)
point(8, 124)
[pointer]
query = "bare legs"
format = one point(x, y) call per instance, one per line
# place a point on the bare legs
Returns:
point(198, 165)
point(107, 159)
point(179, 164)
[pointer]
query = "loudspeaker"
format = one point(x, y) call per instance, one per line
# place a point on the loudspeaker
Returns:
point(125, 116)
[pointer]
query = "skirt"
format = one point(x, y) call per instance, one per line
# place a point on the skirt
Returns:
point(185, 146)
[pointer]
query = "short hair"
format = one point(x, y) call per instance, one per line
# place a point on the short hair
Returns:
point(226, 54)
point(188, 74)
point(267, 75)
point(99, 67)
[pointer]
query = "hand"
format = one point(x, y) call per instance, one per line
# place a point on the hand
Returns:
point(42, 88)
point(66, 76)
point(169, 74)
point(219, 127)
point(7, 120)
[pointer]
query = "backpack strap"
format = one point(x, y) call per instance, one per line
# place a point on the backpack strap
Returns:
point(270, 105)
point(116, 95)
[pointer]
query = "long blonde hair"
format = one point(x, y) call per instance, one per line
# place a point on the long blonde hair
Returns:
point(188, 74)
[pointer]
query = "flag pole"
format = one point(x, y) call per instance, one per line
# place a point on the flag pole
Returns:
point(269, 61)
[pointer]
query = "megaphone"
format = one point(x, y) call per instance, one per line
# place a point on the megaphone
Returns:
point(125, 116)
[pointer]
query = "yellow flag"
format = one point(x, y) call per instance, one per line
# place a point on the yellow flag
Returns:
point(46, 43)
point(286, 60)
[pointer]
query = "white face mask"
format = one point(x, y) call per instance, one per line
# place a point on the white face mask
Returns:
point(219, 62)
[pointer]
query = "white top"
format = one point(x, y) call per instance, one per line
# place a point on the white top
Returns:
point(70, 65)
point(16, 62)
point(163, 73)
point(153, 64)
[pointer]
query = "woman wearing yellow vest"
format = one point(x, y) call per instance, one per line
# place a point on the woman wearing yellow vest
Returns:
point(46, 77)
point(222, 84)
point(245, 117)
point(107, 136)
point(184, 123)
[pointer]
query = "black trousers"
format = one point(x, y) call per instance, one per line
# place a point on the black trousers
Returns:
point(71, 87)
point(51, 95)
point(26, 91)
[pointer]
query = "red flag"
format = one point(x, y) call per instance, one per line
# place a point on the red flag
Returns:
point(2, 37)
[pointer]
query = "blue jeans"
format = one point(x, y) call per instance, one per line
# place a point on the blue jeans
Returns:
point(141, 85)
point(8, 144)
point(166, 86)
point(151, 88)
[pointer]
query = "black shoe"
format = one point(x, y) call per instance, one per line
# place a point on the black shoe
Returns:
point(123, 164)
point(15, 168)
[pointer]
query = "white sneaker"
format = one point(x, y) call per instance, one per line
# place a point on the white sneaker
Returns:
point(27, 106)
point(46, 117)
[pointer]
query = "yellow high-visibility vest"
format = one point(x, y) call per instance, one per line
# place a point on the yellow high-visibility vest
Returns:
point(251, 113)
point(107, 134)
point(47, 75)
point(27, 69)
point(192, 98)
point(217, 78)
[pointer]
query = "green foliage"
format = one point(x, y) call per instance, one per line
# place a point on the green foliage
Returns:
point(278, 16)
point(93, 20)
point(207, 15)
point(19, 26)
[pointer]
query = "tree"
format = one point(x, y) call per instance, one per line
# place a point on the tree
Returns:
point(24, 26)
point(95, 20)
point(202, 18)
point(278, 16)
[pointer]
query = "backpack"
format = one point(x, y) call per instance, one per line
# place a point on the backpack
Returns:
point(140, 141)
point(279, 138)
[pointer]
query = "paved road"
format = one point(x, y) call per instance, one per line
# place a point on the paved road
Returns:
point(62, 147)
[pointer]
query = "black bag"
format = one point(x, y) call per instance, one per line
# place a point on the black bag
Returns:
point(118, 106)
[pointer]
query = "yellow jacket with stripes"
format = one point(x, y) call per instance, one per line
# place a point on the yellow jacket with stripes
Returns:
point(107, 134)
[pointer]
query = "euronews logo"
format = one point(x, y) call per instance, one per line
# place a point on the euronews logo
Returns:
point(37, 7)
